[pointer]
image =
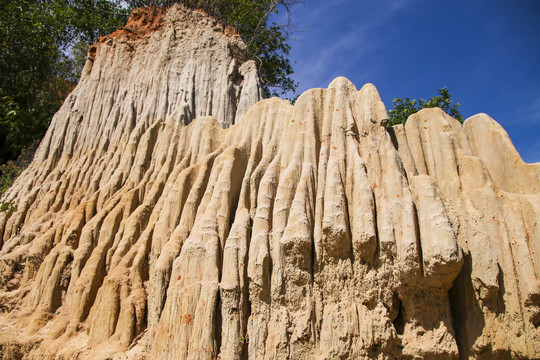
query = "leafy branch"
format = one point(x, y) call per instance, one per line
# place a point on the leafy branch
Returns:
point(405, 107)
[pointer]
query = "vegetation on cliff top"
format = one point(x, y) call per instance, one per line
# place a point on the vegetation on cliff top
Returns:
point(405, 107)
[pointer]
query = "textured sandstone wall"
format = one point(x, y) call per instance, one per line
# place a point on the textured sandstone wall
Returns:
point(146, 230)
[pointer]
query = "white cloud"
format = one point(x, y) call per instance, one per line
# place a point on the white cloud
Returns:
point(531, 153)
point(319, 60)
point(528, 115)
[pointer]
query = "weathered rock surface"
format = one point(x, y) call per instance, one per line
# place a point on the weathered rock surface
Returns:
point(146, 230)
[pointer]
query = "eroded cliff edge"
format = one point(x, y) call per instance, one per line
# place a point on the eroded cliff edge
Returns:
point(146, 230)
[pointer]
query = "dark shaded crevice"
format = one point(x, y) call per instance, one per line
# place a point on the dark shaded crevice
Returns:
point(245, 346)
point(393, 137)
point(318, 144)
point(457, 309)
point(315, 186)
point(399, 322)
point(167, 105)
point(533, 303)
point(312, 238)
point(246, 309)
point(145, 269)
point(501, 307)
point(131, 117)
point(268, 281)
point(65, 279)
point(348, 225)
point(416, 224)
point(267, 292)
point(467, 317)
point(218, 324)
point(498, 354)
point(193, 114)
point(377, 254)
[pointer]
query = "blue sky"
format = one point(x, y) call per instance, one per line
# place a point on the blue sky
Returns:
point(487, 52)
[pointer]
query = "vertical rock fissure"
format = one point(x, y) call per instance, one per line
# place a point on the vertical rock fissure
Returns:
point(376, 226)
point(399, 321)
point(418, 238)
point(347, 216)
point(218, 325)
point(458, 307)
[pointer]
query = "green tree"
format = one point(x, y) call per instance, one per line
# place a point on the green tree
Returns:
point(266, 41)
point(29, 32)
point(403, 108)
point(37, 69)
point(91, 19)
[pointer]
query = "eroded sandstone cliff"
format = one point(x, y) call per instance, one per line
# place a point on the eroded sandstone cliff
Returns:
point(146, 230)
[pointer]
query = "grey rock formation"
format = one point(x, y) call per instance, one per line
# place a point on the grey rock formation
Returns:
point(146, 230)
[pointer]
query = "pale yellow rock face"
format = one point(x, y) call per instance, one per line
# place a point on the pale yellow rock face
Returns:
point(144, 230)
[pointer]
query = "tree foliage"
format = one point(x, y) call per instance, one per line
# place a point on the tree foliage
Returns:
point(29, 32)
point(10, 171)
point(403, 108)
point(37, 69)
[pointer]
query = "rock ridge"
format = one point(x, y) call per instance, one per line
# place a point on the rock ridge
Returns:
point(170, 214)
